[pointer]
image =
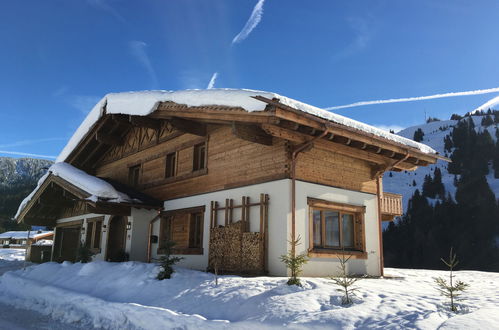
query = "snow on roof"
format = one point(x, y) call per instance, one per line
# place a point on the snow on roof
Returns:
point(145, 102)
point(24, 234)
point(98, 188)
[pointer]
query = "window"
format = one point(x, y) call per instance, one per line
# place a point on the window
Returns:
point(93, 234)
point(171, 165)
point(185, 228)
point(23, 242)
point(336, 226)
point(199, 159)
point(133, 175)
point(195, 229)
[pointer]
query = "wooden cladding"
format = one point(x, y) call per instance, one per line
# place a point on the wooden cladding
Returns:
point(228, 162)
point(391, 206)
point(336, 227)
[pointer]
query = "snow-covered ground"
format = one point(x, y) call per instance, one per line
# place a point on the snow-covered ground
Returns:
point(127, 296)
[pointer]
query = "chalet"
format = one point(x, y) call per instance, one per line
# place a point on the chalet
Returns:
point(229, 176)
point(21, 239)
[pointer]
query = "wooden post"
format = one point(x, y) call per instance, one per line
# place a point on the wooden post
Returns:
point(247, 216)
point(211, 215)
point(226, 211)
point(266, 237)
point(231, 209)
point(215, 215)
point(243, 210)
point(262, 229)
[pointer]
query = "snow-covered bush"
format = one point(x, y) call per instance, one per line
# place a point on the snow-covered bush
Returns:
point(294, 262)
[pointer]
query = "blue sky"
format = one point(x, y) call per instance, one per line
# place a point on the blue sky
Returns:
point(59, 57)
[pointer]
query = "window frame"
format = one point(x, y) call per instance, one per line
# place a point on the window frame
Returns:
point(134, 174)
point(92, 234)
point(358, 213)
point(196, 166)
point(168, 166)
point(166, 230)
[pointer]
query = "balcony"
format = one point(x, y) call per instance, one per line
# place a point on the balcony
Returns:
point(391, 206)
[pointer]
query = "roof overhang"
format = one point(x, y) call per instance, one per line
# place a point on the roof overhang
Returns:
point(55, 195)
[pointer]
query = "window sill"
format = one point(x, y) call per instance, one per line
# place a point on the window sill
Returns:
point(184, 251)
point(332, 253)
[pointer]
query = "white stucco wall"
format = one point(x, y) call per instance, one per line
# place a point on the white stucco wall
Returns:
point(137, 237)
point(329, 266)
point(280, 224)
point(278, 192)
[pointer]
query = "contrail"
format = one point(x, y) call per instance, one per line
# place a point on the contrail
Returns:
point(25, 154)
point(488, 105)
point(417, 98)
point(211, 84)
point(138, 49)
point(252, 22)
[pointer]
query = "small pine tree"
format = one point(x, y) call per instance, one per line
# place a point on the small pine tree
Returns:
point(84, 254)
point(345, 281)
point(450, 289)
point(294, 262)
point(414, 183)
point(167, 261)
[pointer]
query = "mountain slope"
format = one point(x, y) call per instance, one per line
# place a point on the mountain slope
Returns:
point(18, 177)
point(434, 134)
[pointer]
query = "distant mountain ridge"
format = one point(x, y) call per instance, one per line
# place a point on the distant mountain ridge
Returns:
point(17, 170)
point(18, 177)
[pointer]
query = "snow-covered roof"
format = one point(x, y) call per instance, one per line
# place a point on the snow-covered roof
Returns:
point(98, 188)
point(145, 102)
point(24, 234)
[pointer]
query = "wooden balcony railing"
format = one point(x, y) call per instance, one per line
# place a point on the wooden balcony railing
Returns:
point(391, 206)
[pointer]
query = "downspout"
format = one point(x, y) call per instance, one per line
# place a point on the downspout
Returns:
point(378, 176)
point(151, 223)
point(294, 156)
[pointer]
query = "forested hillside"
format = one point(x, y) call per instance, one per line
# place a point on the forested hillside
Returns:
point(449, 204)
point(18, 177)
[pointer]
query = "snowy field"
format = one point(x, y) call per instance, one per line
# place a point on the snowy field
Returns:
point(127, 296)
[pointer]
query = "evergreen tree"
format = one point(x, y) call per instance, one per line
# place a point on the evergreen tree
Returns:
point(418, 135)
point(448, 143)
point(294, 262)
point(487, 121)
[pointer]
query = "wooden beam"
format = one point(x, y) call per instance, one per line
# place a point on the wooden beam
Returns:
point(189, 126)
point(218, 116)
point(141, 121)
point(291, 114)
point(108, 139)
point(340, 148)
point(251, 133)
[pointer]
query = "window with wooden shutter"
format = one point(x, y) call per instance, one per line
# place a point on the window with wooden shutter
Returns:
point(185, 228)
point(336, 228)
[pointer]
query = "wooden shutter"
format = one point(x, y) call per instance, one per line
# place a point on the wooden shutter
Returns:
point(359, 237)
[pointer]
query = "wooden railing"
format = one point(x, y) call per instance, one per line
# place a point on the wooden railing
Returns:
point(391, 206)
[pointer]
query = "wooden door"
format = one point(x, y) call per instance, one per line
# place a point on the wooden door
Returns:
point(116, 239)
point(67, 244)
